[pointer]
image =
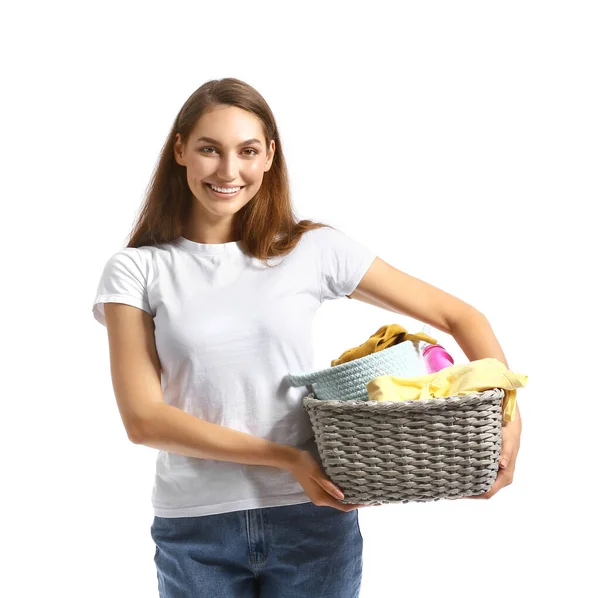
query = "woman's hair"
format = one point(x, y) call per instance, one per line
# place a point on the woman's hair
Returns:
point(266, 224)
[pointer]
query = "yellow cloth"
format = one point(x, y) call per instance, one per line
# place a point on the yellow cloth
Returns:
point(456, 380)
point(385, 337)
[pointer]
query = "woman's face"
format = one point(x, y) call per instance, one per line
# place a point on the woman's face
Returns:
point(230, 160)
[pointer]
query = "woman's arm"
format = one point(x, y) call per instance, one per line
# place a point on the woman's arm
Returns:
point(389, 288)
point(386, 287)
point(148, 420)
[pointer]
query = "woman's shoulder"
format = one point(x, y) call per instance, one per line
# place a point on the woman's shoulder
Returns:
point(326, 236)
point(142, 259)
point(145, 252)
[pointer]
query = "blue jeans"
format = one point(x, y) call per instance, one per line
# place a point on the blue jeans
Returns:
point(294, 551)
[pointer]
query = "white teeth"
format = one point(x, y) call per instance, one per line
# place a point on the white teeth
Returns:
point(225, 190)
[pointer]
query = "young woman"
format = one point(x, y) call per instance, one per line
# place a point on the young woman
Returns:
point(208, 309)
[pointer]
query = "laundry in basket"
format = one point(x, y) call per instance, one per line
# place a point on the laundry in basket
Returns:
point(348, 381)
point(455, 380)
point(385, 451)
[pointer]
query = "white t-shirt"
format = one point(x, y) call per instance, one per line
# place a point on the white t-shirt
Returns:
point(228, 331)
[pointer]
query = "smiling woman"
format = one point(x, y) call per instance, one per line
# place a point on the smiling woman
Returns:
point(225, 135)
point(208, 309)
point(231, 171)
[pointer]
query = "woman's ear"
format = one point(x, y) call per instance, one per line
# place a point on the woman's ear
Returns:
point(178, 150)
point(270, 155)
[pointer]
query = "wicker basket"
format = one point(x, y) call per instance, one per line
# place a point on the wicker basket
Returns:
point(348, 381)
point(409, 451)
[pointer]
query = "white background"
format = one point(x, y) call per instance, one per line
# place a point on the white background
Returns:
point(482, 119)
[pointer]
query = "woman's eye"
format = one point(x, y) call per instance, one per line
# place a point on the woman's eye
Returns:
point(212, 148)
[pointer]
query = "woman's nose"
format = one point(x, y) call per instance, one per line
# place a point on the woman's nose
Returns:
point(228, 168)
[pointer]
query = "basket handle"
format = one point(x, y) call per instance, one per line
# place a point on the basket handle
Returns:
point(302, 379)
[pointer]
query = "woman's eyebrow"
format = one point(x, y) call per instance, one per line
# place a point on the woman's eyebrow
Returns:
point(211, 140)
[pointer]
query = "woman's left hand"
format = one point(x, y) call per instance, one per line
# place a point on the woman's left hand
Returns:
point(511, 440)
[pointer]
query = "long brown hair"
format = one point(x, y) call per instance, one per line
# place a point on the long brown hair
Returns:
point(266, 225)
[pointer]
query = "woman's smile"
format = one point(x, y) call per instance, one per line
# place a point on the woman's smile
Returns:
point(223, 195)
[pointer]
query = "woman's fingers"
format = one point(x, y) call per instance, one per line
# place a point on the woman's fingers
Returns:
point(334, 491)
point(331, 488)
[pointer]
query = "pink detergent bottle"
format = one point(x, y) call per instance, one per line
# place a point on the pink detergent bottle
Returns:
point(436, 358)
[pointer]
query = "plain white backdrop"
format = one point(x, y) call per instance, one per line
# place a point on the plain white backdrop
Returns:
point(460, 140)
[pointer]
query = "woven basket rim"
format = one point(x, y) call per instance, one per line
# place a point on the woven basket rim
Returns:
point(359, 360)
point(491, 394)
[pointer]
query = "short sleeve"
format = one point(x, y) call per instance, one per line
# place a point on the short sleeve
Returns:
point(342, 262)
point(124, 280)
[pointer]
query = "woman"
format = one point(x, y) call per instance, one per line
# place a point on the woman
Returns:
point(208, 309)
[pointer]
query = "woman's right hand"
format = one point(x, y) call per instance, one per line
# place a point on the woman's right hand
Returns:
point(320, 489)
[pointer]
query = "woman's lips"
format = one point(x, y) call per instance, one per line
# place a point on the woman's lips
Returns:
point(224, 195)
